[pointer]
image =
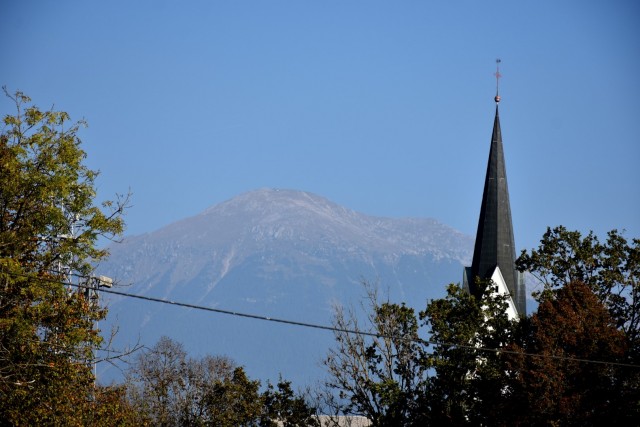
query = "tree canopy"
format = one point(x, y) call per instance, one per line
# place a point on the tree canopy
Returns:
point(49, 227)
point(461, 361)
point(168, 388)
point(610, 269)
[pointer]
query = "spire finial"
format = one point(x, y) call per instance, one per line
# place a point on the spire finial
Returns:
point(498, 75)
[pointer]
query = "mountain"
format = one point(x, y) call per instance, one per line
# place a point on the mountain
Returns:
point(278, 253)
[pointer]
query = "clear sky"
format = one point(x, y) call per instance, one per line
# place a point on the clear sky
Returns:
point(385, 107)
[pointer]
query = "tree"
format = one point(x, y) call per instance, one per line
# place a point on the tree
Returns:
point(377, 371)
point(541, 370)
point(469, 378)
point(557, 367)
point(49, 227)
point(283, 408)
point(112, 408)
point(566, 383)
point(574, 362)
point(394, 377)
point(202, 374)
point(157, 384)
point(235, 401)
point(610, 269)
point(611, 272)
point(168, 388)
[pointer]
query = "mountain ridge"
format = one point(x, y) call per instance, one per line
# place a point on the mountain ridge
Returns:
point(281, 253)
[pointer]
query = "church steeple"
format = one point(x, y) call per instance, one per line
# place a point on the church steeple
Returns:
point(494, 248)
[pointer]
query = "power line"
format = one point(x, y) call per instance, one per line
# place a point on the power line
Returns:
point(328, 328)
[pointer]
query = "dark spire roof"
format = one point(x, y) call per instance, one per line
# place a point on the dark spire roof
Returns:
point(494, 240)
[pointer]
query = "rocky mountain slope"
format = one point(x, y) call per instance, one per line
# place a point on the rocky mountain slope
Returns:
point(278, 253)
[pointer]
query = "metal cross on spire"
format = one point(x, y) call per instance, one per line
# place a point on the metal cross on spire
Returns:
point(498, 75)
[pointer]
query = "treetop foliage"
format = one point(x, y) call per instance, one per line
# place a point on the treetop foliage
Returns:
point(611, 270)
point(168, 388)
point(47, 205)
point(49, 226)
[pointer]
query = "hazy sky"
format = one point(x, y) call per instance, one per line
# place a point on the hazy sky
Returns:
point(385, 107)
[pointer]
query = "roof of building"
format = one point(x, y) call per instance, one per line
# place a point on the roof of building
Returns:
point(495, 245)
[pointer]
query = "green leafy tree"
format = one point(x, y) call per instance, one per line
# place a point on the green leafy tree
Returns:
point(610, 269)
point(392, 376)
point(235, 401)
point(49, 227)
point(378, 372)
point(469, 379)
point(283, 408)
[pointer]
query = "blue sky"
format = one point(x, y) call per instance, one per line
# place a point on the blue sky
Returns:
point(385, 107)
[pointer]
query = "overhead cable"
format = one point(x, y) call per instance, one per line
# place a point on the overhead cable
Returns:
point(332, 328)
